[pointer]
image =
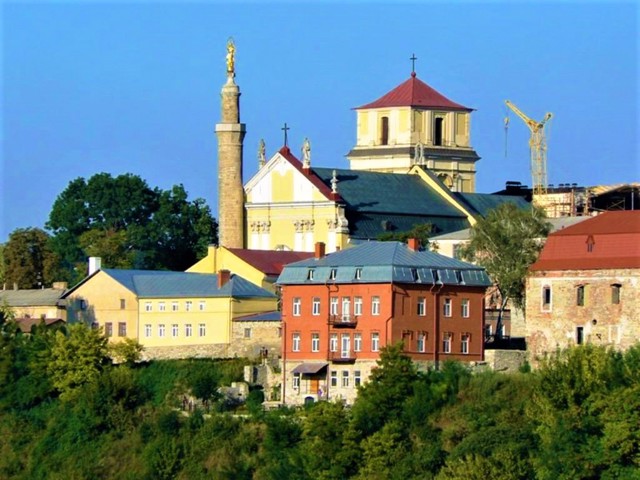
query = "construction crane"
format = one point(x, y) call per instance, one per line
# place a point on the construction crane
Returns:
point(538, 148)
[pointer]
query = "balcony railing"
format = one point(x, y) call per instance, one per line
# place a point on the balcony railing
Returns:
point(342, 356)
point(344, 320)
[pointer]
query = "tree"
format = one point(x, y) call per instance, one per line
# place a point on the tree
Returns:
point(76, 358)
point(29, 260)
point(421, 231)
point(506, 242)
point(129, 224)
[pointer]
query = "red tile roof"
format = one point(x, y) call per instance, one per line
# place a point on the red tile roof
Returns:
point(609, 241)
point(414, 93)
point(270, 262)
point(309, 173)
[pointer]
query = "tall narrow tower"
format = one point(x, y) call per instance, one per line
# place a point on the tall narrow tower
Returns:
point(230, 134)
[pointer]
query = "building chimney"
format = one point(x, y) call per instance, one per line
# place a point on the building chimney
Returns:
point(223, 277)
point(413, 244)
point(95, 264)
point(320, 251)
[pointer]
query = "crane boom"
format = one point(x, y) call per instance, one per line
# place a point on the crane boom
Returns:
point(538, 148)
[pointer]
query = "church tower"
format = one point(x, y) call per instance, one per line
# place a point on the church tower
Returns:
point(413, 124)
point(230, 133)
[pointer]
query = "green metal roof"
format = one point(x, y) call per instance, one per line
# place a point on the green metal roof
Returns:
point(384, 262)
point(483, 202)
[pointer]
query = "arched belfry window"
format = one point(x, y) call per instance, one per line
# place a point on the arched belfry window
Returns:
point(437, 132)
point(384, 131)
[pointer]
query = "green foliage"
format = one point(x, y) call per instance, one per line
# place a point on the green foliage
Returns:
point(127, 351)
point(76, 358)
point(128, 224)
point(421, 231)
point(29, 260)
point(203, 383)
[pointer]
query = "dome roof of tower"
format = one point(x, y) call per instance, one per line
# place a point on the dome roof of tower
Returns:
point(415, 93)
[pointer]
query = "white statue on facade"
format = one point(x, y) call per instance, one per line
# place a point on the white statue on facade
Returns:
point(418, 157)
point(262, 159)
point(306, 153)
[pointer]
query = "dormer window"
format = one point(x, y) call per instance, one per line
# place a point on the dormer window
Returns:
point(358, 274)
point(414, 274)
point(310, 274)
point(333, 274)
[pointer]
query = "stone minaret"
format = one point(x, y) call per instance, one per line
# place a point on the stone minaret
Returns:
point(230, 134)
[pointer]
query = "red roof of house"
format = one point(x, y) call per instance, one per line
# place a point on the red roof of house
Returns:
point(309, 173)
point(609, 241)
point(414, 93)
point(269, 262)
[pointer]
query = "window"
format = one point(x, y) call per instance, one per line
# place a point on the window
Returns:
point(161, 330)
point(422, 306)
point(315, 342)
point(447, 307)
point(295, 344)
point(297, 304)
point(247, 333)
point(464, 308)
point(384, 131)
point(357, 378)
point(414, 274)
point(446, 342)
point(161, 306)
point(346, 309)
point(464, 343)
point(546, 298)
point(187, 305)
point(358, 275)
point(580, 335)
point(333, 342)
point(357, 306)
point(188, 330)
point(122, 329)
point(202, 305)
point(345, 344)
point(375, 305)
point(108, 329)
point(310, 273)
point(357, 342)
point(333, 274)
point(375, 342)
point(296, 380)
point(174, 306)
point(580, 296)
point(345, 378)
point(123, 304)
point(437, 131)
point(615, 293)
point(315, 309)
point(147, 330)
point(422, 342)
point(334, 305)
point(147, 307)
point(334, 378)
point(202, 330)
point(174, 330)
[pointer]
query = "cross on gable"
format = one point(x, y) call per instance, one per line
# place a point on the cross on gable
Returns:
point(285, 129)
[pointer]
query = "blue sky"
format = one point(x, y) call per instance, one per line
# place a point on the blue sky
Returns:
point(118, 87)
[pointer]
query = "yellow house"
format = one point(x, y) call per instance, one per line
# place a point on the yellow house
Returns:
point(260, 267)
point(171, 314)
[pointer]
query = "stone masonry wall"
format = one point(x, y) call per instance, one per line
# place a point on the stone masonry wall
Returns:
point(602, 322)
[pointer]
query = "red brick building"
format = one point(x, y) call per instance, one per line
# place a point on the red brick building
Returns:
point(585, 286)
point(338, 310)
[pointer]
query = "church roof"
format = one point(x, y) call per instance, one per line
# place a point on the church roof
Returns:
point(414, 93)
point(483, 202)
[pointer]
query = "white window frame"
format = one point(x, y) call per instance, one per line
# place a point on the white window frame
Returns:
point(188, 330)
point(296, 381)
point(315, 306)
point(188, 305)
point(357, 342)
point(421, 343)
point(447, 338)
point(375, 341)
point(447, 307)
point(296, 309)
point(357, 378)
point(334, 306)
point(202, 305)
point(161, 306)
point(422, 307)
point(295, 342)
point(465, 341)
point(174, 306)
point(174, 330)
point(465, 307)
point(147, 330)
point(345, 378)
point(357, 306)
point(202, 329)
point(148, 307)
point(333, 378)
point(315, 342)
point(375, 305)
point(345, 345)
point(161, 330)
point(333, 342)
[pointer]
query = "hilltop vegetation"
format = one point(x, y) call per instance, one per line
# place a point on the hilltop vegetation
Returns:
point(80, 416)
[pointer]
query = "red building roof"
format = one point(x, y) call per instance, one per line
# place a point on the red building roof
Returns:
point(414, 93)
point(609, 241)
point(270, 262)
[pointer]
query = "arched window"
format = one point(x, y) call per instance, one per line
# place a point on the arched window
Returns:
point(384, 131)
